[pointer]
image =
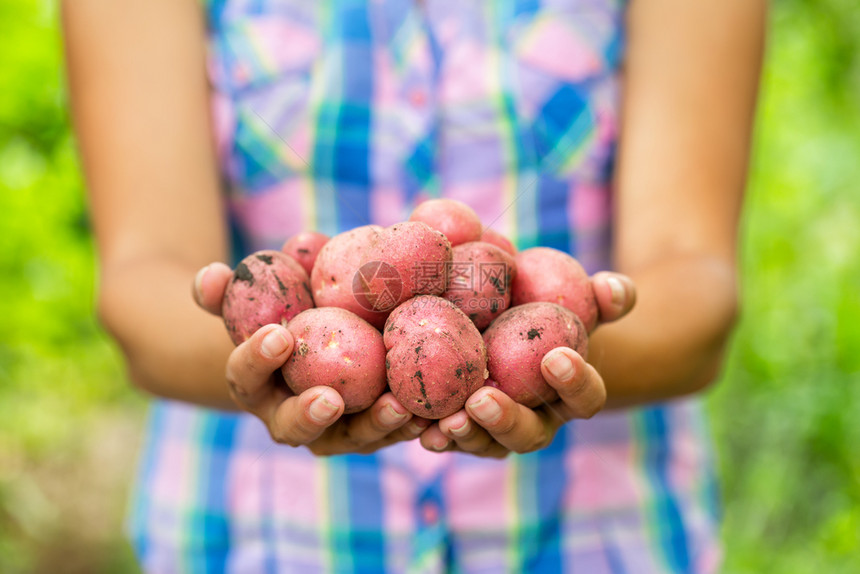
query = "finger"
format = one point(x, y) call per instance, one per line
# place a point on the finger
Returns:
point(409, 431)
point(473, 439)
point(468, 436)
point(514, 426)
point(209, 286)
point(384, 416)
point(580, 387)
point(615, 294)
point(302, 419)
point(495, 450)
point(251, 365)
point(433, 439)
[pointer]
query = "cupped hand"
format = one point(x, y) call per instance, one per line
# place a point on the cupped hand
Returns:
point(491, 424)
point(313, 418)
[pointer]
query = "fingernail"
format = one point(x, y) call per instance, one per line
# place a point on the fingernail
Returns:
point(486, 409)
point(321, 410)
point(274, 344)
point(415, 428)
point(617, 289)
point(198, 283)
point(559, 366)
point(461, 430)
point(438, 445)
point(389, 417)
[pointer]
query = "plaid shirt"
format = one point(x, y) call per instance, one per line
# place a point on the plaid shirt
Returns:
point(331, 115)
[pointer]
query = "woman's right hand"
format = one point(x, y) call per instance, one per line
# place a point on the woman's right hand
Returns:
point(315, 417)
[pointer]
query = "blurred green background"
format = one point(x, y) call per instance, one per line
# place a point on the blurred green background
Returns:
point(784, 414)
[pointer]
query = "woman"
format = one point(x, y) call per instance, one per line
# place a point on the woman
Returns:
point(332, 115)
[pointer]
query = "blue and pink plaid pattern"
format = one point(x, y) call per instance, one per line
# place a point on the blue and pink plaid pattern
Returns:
point(331, 115)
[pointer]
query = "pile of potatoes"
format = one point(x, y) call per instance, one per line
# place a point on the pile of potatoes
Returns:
point(432, 308)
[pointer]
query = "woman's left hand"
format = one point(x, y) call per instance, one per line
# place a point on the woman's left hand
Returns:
point(491, 424)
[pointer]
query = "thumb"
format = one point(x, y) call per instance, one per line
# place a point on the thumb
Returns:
point(209, 286)
point(615, 295)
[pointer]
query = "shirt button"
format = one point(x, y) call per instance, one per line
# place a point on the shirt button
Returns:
point(430, 513)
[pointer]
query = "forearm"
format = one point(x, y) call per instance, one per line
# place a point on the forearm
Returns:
point(690, 79)
point(672, 343)
point(140, 106)
point(173, 348)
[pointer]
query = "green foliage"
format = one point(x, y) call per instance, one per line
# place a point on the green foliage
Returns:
point(59, 374)
point(783, 414)
point(52, 348)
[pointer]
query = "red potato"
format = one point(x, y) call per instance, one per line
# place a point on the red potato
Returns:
point(517, 342)
point(499, 240)
point(339, 349)
point(550, 275)
point(267, 287)
point(436, 358)
point(295, 266)
point(420, 256)
point(479, 281)
point(371, 270)
point(305, 247)
point(335, 268)
point(455, 219)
